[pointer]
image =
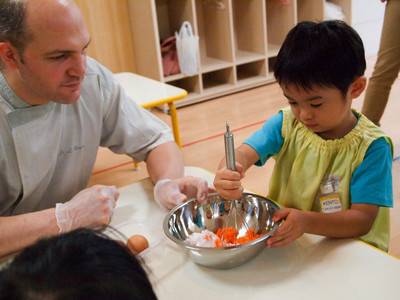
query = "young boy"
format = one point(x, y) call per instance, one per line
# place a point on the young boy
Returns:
point(79, 264)
point(333, 166)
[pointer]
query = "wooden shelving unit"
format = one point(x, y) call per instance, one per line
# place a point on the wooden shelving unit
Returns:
point(238, 39)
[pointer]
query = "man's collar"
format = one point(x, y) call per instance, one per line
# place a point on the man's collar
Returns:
point(8, 94)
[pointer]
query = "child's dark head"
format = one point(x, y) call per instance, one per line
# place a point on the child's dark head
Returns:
point(329, 53)
point(81, 264)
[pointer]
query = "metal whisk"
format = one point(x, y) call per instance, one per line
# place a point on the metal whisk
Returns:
point(233, 212)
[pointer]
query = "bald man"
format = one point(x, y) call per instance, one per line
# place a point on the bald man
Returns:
point(57, 106)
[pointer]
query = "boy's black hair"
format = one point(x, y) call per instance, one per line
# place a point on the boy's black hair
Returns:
point(81, 264)
point(329, 53)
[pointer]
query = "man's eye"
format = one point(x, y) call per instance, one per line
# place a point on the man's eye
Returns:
point(292, 103)
point(58, 57)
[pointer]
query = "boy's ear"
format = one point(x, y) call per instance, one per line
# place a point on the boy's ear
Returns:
point(9, 55)
point(358, 86)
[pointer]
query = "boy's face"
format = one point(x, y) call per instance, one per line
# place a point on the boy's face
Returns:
point(323, 110)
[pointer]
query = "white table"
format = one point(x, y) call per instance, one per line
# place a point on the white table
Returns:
point(312, 267)
point(149, 93)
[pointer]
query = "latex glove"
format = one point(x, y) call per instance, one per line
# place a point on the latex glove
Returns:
point(92, 207)
point(169, 193)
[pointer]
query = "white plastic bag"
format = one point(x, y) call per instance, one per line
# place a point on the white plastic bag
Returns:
point(187, 44)
point(333, 11)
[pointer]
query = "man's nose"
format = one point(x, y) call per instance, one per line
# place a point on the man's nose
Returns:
point(78, 66)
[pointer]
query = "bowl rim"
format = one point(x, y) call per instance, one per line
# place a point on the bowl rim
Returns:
point(116, 230)
point(213, 249)
point(137, 221)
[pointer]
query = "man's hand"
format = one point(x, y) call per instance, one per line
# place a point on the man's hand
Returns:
point(92, 207)
point(169, 193)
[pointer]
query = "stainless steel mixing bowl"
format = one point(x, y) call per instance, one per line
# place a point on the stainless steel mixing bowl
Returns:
point(193, 216)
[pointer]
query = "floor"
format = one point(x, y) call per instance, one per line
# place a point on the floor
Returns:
point(202, 126)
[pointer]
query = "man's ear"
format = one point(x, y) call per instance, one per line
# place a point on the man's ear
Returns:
point(9, 55)
point(358, 86)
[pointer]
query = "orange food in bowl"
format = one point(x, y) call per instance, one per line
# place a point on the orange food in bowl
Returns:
point(137, 243)
point(229, 235)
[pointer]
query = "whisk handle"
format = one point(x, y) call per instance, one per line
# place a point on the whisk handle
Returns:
point(229, 149)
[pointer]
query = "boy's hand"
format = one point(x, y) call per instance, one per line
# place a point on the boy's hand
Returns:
point(227, 182)
point(290, 230)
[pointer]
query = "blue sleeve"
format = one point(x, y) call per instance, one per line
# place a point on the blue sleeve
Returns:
point(268, 140)
point(372, 181)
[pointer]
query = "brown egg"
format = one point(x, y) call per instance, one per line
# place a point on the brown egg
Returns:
point(137, 243)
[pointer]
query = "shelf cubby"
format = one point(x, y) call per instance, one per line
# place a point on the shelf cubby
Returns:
point(250, 38)
point(218, 80)
point(239, 40)
point(280, 19)
point(215, 34)
point(273, 50)
point(310, 10)
point(251, 72)
point(192, 85)
point(170, 16)
point(271, 63)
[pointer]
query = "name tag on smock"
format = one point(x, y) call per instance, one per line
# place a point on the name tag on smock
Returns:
point(330, 204)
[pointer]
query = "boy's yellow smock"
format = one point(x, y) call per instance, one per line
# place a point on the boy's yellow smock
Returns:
point(305, 160)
